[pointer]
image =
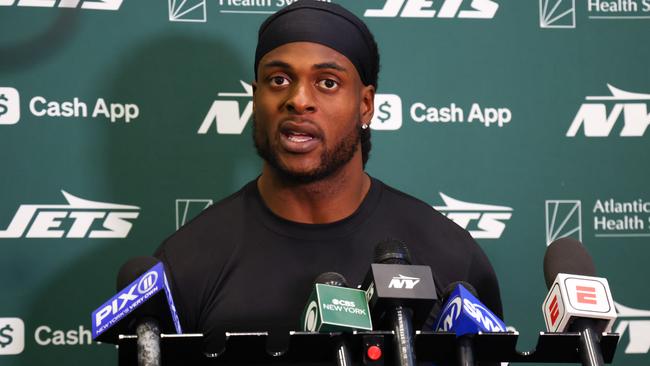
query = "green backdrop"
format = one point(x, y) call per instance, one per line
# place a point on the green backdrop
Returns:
point(523, 120)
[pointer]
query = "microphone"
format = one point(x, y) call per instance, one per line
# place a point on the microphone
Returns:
point(332, 306)
point(144, 305)
point(465, 315)
point(577, 301)
point(400, 295)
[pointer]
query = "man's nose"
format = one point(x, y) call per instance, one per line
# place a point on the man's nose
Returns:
point(301, 99)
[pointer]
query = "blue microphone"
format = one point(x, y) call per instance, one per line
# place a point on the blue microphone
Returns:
point(143, 305)
point(144, 293)
point(464, 315)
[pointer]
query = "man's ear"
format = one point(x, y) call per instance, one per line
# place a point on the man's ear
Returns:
point(367, 103)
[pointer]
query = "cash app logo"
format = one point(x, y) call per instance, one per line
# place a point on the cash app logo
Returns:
point(12, 336)
point(388, 112)
point(9, 106)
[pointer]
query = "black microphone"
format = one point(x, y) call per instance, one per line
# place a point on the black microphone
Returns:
point(142, 305)
point(400, 295)
point(577, 300)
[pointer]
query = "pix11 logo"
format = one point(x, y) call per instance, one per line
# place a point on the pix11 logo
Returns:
point(80, 218)
point(481, 220)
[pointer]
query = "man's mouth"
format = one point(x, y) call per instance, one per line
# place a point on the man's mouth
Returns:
point(298, 136)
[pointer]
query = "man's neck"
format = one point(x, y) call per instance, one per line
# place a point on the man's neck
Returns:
point(328, 200)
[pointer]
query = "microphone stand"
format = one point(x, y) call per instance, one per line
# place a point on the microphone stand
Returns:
point(148, 333)
point(403, 328)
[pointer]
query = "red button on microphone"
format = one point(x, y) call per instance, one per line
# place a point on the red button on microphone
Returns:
point(373, 353)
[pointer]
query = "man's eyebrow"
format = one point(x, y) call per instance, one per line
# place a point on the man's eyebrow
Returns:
point(330, 65)
point(320, 66)
point(277, 63)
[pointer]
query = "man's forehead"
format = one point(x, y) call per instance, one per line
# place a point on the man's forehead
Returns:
point(326, 24)
point(310, 54)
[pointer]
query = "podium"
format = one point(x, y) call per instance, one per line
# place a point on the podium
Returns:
point(303, 348)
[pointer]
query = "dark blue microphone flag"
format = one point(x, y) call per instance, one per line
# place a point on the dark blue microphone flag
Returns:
point(464, 314)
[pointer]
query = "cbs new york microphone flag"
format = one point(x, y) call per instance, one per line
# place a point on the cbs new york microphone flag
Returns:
point(132, 297)
point(334, 309)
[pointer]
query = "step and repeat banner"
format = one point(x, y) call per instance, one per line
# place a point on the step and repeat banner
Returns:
point(522, 120)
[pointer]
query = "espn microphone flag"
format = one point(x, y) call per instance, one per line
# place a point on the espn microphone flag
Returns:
point(334, 309)
point(573, 296)
point(131, 298)
point(465, 314)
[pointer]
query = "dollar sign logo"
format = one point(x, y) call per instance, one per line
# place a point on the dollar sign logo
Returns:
point(5, 336)
point(384, 112)
point(3, 106)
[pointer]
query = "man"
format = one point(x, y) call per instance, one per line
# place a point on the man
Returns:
point(248, 262)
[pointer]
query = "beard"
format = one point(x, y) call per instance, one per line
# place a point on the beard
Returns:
point(331, 161)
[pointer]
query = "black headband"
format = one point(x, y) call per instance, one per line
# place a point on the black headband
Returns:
point(325, 23)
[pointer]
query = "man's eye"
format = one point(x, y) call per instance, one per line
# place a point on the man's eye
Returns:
point(328, 84)
point(279, 80)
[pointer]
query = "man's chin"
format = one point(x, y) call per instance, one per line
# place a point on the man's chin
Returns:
point(301, 175)
point(309, 168)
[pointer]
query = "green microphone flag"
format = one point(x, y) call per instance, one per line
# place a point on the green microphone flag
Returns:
point(335, 309)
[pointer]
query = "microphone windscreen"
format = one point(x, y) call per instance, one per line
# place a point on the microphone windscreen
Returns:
point(567, 255)
point(332, 279)
point(392, 251)
point(134, 268)
point(452, 286)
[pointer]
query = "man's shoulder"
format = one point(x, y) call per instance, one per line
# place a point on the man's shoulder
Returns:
point(405, 199)
point(419, 215)
point(410, 205)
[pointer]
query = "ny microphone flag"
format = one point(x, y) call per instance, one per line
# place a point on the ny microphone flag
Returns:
point(576, 296)
point(465, 314)
point(335, 308)
point(143, 290)
point(390, 285)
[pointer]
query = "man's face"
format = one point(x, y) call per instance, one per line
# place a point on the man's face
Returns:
point(309, 104)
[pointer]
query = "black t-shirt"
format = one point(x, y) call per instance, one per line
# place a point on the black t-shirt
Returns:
point(239, 267)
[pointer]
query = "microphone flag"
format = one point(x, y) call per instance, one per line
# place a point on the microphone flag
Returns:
point(142, 290)
point(465, 314)
point(576, 296)
point(335, 309)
